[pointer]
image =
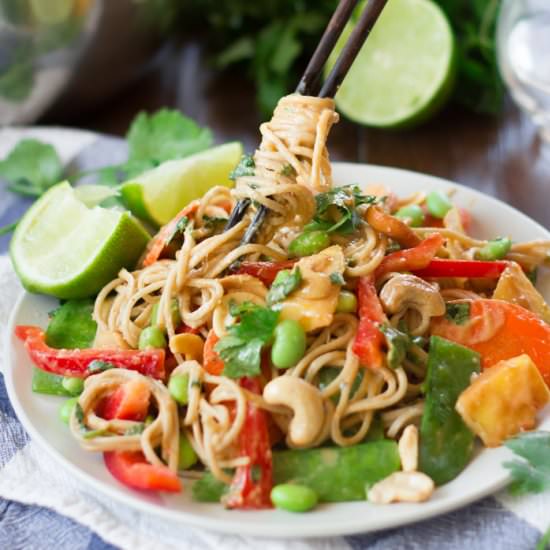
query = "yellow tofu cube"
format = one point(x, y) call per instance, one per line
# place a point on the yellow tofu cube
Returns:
point(504, 400)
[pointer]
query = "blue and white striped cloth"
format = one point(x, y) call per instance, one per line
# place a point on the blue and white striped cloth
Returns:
point(42, 507)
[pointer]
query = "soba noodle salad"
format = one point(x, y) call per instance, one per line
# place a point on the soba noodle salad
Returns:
point(347, 344)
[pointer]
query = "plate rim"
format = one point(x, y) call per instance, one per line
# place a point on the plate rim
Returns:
point(234, 526)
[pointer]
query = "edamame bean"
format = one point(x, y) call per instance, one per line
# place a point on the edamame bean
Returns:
point(412, 213)
point(494, 250)
point(347, 302)
point(74, 386)
point(293, 498)
point(66, 409)
point(289, 345)
point(309, 243)
point(174, 310)
point(178, 386)
point(188, 456)
point(438, 204)
point(152, 337)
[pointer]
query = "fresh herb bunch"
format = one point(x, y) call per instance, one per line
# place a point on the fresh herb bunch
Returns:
point(274, 39)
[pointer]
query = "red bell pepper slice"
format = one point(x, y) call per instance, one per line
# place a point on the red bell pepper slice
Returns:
point(252, 484)
point(440, 267)
point(132, 469)
point(369, 340)
point(75, 362)
point(162, 238)
point(411, 259)
point(265, 271)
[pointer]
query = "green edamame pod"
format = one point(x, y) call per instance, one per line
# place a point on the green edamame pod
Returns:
point(438, 204)
point(412, 213)
point(335, 474)
point(289, 345)
point(446, 443)
point(309, 243)
point(293, 498)
point(494, 250)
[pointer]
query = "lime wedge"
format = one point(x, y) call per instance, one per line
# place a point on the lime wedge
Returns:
point(405, 70)
point(63, 248)
point(159, 194)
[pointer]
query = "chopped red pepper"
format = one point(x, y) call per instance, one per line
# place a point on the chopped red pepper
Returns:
point(411, 259)
point(132, 469)
point(162, 238)
point(369, 340)
point(212, 361)
point(265, 271)
point(252, 484)
point(440, 267)
point(75, 362)
point(130, 401)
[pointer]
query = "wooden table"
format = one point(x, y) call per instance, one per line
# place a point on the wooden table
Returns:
point(500, 156)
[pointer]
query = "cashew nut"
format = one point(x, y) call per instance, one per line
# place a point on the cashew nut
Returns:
point(188, 344)
point(306, 403)
point(408, 448)
point(402, 487)
point(405, 291)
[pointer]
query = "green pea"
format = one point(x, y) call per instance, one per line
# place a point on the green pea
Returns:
point(178, 386)
point(494, 250)
point(347, 302)
point(66, 409)
point(152, 337)
point(174, 310)
point(74, 386)
point(289, 345)
point(187, 457)
point(293, 498)
point(412, 213)
point(309, 243)
point(438, 204)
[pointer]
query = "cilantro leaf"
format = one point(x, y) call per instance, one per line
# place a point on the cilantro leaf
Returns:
point(208, 489)
point(244, 168)
point(97, 366)
point(336, 210)
point(336, 278)
point(458, 313)
point(241, 349)
point(72, 326)
point(284, 284)
point(398, 344)
point(164, 135)
point(31, 168)
point(533, 474)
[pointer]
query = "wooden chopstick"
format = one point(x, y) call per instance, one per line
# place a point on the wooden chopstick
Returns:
point(309, 83)
point(354, 44)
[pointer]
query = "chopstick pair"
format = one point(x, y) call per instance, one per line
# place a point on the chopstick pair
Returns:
point(310, 82)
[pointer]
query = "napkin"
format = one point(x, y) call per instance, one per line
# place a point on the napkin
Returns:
point(28, 475)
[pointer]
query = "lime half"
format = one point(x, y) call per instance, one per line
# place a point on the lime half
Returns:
point(405, 70)
point(159, 194)
point(63, 248)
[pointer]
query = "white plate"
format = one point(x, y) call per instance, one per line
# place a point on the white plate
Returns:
point(483, 476)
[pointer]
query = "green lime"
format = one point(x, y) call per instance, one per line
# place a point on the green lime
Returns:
point(63, 248)
point(405, 71)
point(159, 194)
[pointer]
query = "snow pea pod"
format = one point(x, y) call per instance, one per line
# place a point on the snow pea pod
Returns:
point(335, 474)
point(446, 443)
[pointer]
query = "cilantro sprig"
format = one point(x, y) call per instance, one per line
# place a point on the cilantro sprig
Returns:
point(398, 343)
point(241, 349)
point(336, 210)
point(285, 283)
